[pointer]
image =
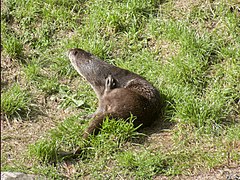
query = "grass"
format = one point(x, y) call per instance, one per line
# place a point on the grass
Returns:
point(188, 50)
point(15, 102)
point(13, 47)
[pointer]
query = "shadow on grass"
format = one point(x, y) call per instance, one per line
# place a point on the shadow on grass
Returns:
point(26, 115)
point(162, 123)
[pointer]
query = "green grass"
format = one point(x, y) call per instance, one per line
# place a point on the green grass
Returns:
point(68, 134)
point(189, 51)
point(13, 47)
point(15, 102)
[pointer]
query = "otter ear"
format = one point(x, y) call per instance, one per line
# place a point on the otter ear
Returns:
point(110, 82)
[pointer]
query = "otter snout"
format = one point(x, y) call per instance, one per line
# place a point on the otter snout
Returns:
point(79, 54)
point(72, 53)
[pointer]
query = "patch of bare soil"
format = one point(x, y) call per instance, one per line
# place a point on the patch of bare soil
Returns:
point(16, 136)
point(225, 173)
point(167, 49)
point(10, 71)
point(186, 5)
point(159, 136)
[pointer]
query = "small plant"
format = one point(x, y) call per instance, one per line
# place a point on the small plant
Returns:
point(44, 150)
point(13, 47)
point(49, 85)
point(69, 98)
point(15, 102)
point(32, 71)
point(145, 163)
point(122, 130)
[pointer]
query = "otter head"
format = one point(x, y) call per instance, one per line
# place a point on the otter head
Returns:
point(91, 68)
point(82, 61)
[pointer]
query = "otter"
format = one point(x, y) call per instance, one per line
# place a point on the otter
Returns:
point(120, 92)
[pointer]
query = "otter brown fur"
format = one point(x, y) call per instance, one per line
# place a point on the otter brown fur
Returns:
point(119, 91)
point(120, 103)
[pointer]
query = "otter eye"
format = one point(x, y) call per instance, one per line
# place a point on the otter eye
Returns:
point(75, 52)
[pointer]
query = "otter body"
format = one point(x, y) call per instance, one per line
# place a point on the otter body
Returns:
point(119, 91)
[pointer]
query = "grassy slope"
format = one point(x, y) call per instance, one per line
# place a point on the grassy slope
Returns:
point(189, 50)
